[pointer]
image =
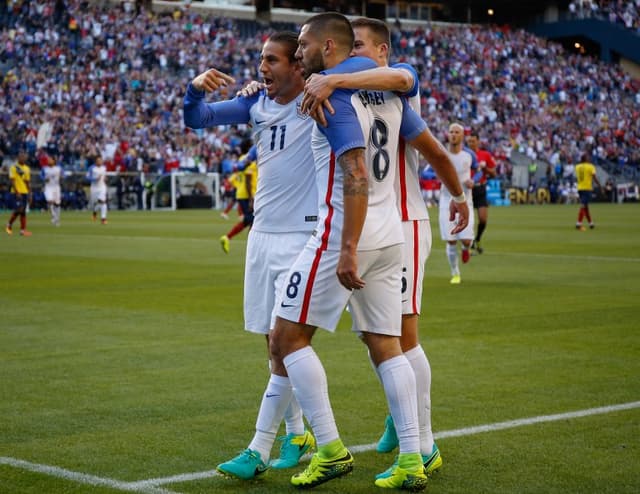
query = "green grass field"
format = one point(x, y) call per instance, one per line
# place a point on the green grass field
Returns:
point(123, 359)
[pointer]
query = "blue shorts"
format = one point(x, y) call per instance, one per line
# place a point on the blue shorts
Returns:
point(20, 202)
point(585, 197)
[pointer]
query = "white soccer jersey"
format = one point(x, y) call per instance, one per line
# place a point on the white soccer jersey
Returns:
point(286, 198)
point(411, 204)
point(98, 178)
point(379, 114)
point(51, 176)
point(462, 163)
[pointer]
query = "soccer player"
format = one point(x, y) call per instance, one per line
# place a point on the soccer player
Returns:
point(359, 237)
point(20, 177)
point(286, 210)
point(244, 182)
point(486, 169)
point(51, 176)
point(462, 160)
point(97, 176)
point(586, 175)
point(372, 39)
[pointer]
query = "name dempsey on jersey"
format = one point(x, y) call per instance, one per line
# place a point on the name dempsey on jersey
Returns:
point(371, 97)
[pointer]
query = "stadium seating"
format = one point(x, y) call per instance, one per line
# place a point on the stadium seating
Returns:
point(111, 81)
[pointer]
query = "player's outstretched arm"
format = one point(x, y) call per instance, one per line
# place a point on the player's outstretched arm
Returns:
point(356, 197)
point(435, 153)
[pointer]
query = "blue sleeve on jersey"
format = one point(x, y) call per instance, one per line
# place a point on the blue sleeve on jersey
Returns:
point(474, 165)
point(199, 115)
point(414, 90)
point(353, 64)
point(412, 124)
point(42, 174)
point(474, 159)
point(252, 155)
point(343, 131)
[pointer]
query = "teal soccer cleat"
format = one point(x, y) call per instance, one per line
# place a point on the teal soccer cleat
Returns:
point(246, 466)
point(292, 449)
point(389, 439)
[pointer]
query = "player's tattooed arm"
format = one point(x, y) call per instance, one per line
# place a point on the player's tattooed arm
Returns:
point(356, 197)
point(356, 177)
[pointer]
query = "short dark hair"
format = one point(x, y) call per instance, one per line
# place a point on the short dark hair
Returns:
point(377, 27)
point(289, 39)
point(334, 23)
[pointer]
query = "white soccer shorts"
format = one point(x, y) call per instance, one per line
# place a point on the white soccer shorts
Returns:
point(446, 226)
point(313, 295)
point(269, 258)
point(52, 193)
point(417, 247)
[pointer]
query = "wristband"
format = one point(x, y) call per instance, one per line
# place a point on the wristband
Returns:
point(459, 199)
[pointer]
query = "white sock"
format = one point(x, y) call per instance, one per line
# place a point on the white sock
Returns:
point(400, 389)
point(422, 370)
point(310, 387)
point(293, 421)
point(452, 256)
point(103, 211)
point(275, 400)
point(293, 418)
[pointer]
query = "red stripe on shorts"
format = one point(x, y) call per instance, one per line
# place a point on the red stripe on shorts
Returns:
point(304, 312)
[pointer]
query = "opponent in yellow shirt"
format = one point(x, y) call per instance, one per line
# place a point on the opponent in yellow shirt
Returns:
point(20, 176)
point(245, 182)
point(586, 175)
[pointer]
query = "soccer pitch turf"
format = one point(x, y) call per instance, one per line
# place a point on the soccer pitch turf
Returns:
point(124, 366)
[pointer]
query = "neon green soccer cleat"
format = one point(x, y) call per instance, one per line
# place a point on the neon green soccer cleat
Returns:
point(320, 471)
point(389, 439)
point(433, 461)
point(399, 478)
point(292, 449)
point(225, 244)
point(430, 462)
point(246, 466)
point(456, 279)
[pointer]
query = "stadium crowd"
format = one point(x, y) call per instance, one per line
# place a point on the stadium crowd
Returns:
point(80, 80)
point(623, 12)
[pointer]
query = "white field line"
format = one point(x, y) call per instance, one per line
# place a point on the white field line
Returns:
point(81, 478)
point(467, 431)
point(150, 486)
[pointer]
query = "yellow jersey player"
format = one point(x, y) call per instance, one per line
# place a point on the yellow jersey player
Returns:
point(20, 176)
point(245, 182)
point(586, 175)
